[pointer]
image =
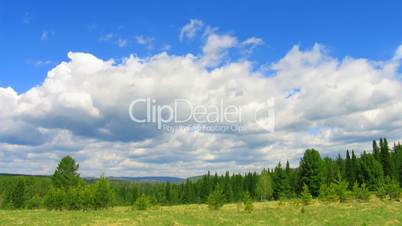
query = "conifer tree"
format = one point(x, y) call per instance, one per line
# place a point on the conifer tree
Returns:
point(66, 174)
point(386, 158)
point(311, 171)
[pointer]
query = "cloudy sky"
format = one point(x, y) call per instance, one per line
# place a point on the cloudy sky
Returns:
point(70, 71)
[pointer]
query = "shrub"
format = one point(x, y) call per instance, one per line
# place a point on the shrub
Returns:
point(102, 194)
point(361, 193)
point(73, 199)
point(216, 199)
point(342, 192)
point(393, 190)
point(248, 202)
point(142, 203)
point(381, 192)
point(305, 196)
point(328, 193)
point(54, 199)
point(33, 203)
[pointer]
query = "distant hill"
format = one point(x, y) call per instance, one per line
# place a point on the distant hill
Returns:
point(154, 179)
point(151, 179)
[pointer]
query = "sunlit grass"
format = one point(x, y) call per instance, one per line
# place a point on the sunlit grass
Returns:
point(375, 212)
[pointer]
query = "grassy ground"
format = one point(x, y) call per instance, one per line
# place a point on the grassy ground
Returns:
point(269, 213)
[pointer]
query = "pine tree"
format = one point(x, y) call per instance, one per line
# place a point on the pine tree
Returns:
point(311, 171)
point(66, 175)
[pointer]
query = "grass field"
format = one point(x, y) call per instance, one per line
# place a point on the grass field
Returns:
point(268, 213)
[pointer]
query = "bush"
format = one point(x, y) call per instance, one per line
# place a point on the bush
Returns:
point(393, 190)
point(54, 199)
point(305, 196)
point(381, 193)
point(216, 199)
point(361, 193)
point(34, 203)
point(328, 193)
point(73, 199)
point(102, 194)
point(248, 202)
point(142, 203)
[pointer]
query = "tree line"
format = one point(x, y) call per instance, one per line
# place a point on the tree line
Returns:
point(378, 171)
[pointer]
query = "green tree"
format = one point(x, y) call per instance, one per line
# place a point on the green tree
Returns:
point(142, 203)
point(66, 175)
point(264, 185)
point(248, 202)
point(305, 195)
point(18, 194)
point(54, 199)
point(216, 199)
point(360, 192)
point(280, 183)
point(376, 151)
point(310, 171)
point(102, 194)
point(386, 158)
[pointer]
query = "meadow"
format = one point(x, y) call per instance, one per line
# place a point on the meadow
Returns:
point(374, 212)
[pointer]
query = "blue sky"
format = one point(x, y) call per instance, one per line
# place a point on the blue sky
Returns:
point(330, 73)
point(346, 28)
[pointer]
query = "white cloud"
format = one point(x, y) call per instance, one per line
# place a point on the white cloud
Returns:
point(145, 41)
point(216, 47)
point(81, 109)
point(189, 30)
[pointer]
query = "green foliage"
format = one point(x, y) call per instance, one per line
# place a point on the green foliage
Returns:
point(216, 199)
point(102, 194)
point(305, 196)
point(393, 190)
point(54, 199)
point(248, 202)
point(280, 181)
point(264, 186)
point(16, 194)
point(310, 171)
point(34, 203)
point(73, 199)
point(381, 192)
point(142, 203)
point(328, 193)
point(66, 175)
point(360, 193)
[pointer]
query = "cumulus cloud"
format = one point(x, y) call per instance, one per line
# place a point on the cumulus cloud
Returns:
point(189, 30)
point(82, 109)
point(216, 48)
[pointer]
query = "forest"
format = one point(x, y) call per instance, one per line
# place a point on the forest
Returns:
point(378, 171)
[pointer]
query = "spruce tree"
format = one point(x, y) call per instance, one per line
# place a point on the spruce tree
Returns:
point(376, 151)
point(386, 158)
point(311, 171)
point(280, 182)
